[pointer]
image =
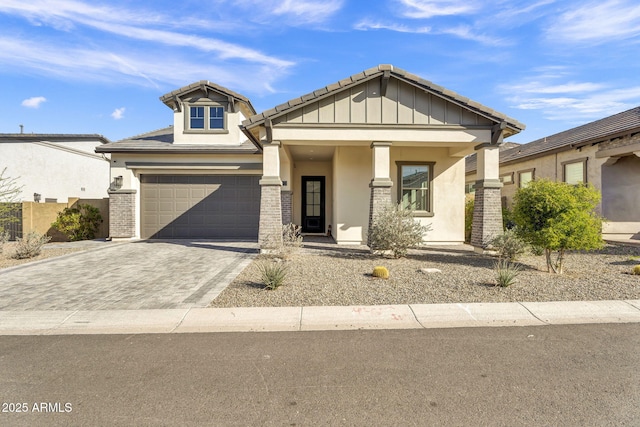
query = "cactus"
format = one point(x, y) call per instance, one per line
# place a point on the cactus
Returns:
point(381, 272)
point(636, 270)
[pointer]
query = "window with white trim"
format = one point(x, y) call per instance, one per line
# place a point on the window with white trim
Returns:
point(206, 118)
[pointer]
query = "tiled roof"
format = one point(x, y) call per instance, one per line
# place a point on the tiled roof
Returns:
point(205, 83)
point(590, 133)
point(161, 140)
point(379, 71)
point(51, 137)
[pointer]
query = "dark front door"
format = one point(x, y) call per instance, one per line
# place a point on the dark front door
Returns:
point(313, 204)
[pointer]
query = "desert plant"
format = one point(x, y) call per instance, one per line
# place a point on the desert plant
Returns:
point(9, 195)
point(381, 272)
point(508, 245)
point(291, 235)
point(636, 270)
point(506, 272)
point(272, 274)
point(4, 238)
point(468, 219)
point(536, 250)
point(394, 229)
point(30, 245)
point(558, 217)
point(79, 223)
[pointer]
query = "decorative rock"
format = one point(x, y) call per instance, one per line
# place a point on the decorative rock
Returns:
point(430, 270)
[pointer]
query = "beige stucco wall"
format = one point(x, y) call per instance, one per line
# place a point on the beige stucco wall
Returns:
point(447, 222)
point(232, 136)
point(621, 197)
point(352, 174)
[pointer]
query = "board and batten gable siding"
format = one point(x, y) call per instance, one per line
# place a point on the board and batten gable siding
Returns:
point(403, 104)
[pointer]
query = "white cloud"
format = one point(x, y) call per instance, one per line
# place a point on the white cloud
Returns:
point(33, 102)
point(366, 24)
point(598, 22)
point(118, 113)
point(421, 9)
point(293, 12)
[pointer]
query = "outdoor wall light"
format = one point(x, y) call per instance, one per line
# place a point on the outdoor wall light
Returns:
point(117, 182)
point(37, 197)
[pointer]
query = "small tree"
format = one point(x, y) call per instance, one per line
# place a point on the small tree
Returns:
point(79, 223)
point(558, 217)
point(394, 229)
point(9, 192)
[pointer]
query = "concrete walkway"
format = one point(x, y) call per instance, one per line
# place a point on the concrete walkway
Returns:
point(271, 319)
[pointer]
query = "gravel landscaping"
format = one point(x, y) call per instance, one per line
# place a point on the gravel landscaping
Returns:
point(49, 250)
point(325, 274)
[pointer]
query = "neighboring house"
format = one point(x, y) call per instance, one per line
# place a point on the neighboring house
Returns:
point(327, 161)
point(605, 153)
point(54, 167)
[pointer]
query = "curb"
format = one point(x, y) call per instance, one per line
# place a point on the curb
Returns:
point(299, 319)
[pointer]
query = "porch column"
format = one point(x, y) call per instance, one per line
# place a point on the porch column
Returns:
point(487, 214)
point(270, 228)
point(381, 181)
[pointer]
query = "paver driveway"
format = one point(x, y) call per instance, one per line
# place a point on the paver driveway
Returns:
point(133, 275)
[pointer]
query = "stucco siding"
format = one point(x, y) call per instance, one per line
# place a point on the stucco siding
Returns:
point(54, 171)
point(352, 170)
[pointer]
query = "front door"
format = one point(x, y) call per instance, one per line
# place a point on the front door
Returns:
point(313, 204)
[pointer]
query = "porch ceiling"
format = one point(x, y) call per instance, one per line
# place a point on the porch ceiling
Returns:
point(316, 153)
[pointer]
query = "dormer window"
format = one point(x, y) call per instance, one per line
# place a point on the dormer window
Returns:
point(206, 118)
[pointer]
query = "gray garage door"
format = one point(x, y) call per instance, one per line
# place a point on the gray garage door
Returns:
point(200, 206)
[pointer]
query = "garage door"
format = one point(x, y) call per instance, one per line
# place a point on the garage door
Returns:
point(200, 206)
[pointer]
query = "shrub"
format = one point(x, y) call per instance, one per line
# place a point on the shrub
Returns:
point(536, 250)
point(468, 219)
point(636, 270)
point(30, 245)
point(291, 235)
point(558, 217)
point(4, 238)
point(381, 272)
point(506, 272)
point(79, 223)
point(272, 274)
point(394, 229)
point(508, 245)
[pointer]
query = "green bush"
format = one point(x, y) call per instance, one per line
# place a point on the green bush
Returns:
point(394, 229)
point(381, 272)
point(506, 272)
point(636, 270)
point(272, 274)
point(558, 217)
point(508, 245)
point(468, 219)
point(30, 245)
point(79, 223)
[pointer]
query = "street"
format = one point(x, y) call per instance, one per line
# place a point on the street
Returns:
point(573, 375)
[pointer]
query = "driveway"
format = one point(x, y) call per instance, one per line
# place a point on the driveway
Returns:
point(127, 276)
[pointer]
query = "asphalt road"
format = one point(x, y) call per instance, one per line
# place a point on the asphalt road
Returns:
point(582, 375)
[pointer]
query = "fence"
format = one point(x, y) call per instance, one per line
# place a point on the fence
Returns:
point(11, 219)
point(38, 217)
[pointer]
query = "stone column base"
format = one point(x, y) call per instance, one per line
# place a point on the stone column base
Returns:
point(487, 213)
point(270, 231)
point(122, 214)
point(380, 197)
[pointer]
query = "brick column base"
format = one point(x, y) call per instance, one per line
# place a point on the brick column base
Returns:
point(286, 199)
point(270, 231)
point(122, 214)
point(380, 197)
point(487, 213)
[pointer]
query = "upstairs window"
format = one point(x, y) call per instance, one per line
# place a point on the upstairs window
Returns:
point(206, 118)
point(574, 172)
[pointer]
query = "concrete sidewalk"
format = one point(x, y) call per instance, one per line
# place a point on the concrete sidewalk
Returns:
point(257, 319)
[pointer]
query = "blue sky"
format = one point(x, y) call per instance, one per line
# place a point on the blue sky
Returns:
point(73, 66)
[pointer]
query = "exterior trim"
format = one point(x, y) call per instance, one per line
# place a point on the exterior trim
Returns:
point(431, 166)
point(582, 160)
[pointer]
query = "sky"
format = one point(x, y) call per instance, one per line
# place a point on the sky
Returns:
point(74, 66)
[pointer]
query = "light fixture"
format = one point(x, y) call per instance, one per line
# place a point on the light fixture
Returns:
point(37, 197)
point(117, 182)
